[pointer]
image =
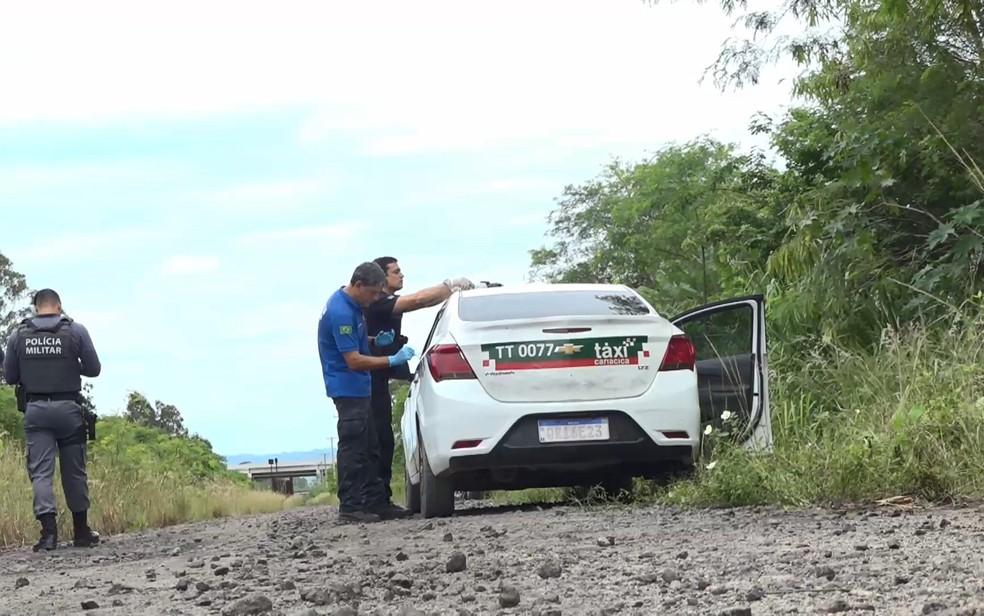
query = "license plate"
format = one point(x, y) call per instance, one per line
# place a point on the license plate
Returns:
point(572, 430)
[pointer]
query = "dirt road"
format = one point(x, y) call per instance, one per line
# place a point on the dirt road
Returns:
point(562, 560)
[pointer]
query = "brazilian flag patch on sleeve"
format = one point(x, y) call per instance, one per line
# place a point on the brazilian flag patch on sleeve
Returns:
point(345, 330)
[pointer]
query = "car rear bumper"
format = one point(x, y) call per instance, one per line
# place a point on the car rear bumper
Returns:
point(644, 431)
point(521, 460)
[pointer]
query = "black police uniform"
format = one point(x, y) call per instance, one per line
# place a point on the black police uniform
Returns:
point(379, 318)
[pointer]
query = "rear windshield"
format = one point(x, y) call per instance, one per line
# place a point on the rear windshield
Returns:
point(551, 304)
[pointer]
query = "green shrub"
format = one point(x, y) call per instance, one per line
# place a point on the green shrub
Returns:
point(11, 420)
point(906, 418)
point(139, 478)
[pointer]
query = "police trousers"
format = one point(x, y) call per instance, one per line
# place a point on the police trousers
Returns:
point(359, 488)
point(382, 418)
point(56, 428)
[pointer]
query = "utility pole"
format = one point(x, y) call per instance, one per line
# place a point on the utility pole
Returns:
point(334, 469)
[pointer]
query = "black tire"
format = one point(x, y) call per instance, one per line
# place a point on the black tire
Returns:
point(618, 488)
point(436, 494)
point(412, 493)
point(612, 488)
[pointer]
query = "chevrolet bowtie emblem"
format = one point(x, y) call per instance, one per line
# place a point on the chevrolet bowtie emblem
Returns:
point(569, 349)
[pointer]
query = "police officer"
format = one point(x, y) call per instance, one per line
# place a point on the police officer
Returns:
point(47, 357)
point(343, 345)
point(385, 319)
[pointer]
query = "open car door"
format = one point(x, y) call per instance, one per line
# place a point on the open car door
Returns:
point(732, 368)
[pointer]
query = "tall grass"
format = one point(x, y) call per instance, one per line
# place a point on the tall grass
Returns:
point(125, 498)
point(904, 419)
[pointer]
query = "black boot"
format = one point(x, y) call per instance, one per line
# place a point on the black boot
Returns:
point(49, 533)
point(84, 536)
point(357, 517)
point(389, 511)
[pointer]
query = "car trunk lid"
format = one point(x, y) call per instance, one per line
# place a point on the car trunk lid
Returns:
point(567, 359)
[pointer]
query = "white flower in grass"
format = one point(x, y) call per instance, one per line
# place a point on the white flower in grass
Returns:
point(711, 466)
point(727, 415)
point(708, 430)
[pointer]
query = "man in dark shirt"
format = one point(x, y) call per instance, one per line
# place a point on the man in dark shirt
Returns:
point(385, 321)
point(47, 357)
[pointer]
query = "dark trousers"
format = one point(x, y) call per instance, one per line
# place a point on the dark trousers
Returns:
point(56, 429)
point(382, 418)
point(359, 488)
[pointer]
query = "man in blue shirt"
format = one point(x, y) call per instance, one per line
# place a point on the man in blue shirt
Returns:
point(343, 345)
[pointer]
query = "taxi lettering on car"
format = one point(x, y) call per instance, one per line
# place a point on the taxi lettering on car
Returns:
point(503, 358)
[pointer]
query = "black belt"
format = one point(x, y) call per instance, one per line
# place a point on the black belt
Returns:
point(55, 397)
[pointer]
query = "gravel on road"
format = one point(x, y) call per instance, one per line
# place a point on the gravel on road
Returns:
point(544, 561)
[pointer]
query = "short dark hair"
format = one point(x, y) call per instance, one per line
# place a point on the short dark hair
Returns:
point(384, 262)
point(46, 297)
point(369, 274)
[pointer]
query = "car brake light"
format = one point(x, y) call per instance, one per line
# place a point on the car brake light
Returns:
point(680, 355)
point(446, 363)
point(677, 434)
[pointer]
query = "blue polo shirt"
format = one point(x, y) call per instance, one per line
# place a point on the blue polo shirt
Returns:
point(342, 329)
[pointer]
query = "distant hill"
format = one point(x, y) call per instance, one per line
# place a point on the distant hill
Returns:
point(282, 457)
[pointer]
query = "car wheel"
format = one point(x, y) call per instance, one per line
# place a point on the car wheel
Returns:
point(617, 488)
point(412, 493)
point(436, 494)
point(612, 488)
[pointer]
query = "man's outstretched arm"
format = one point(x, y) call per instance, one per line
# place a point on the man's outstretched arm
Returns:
point(431, 296)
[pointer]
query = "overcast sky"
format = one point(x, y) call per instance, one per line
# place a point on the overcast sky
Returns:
point(196, 178)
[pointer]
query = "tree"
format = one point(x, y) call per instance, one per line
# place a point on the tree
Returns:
point(132, 448)
point(169, 419)
point(88, 405)
point(13, 286)
point(694, 223)
point(883, 202)
point(164, 417)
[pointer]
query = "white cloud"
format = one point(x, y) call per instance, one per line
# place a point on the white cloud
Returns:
point(81, 246)
point(506, 185)
point(429, 76)
point(179, 265)
point(46, 175)
point(273, 319)
point(267, 196)
point(531, 219)
point(342, 232)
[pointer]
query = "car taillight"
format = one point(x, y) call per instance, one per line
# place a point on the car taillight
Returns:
point(680, 355)
point(446, 362)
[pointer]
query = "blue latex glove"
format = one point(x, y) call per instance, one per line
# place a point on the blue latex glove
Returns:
point(385, 338)
point(402, 356)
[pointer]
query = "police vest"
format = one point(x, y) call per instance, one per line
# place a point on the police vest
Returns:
point(48, 358)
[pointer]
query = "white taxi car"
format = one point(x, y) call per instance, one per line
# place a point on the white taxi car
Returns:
point(555, 385)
